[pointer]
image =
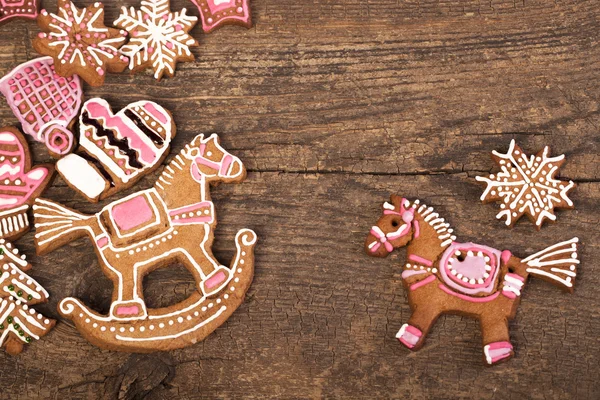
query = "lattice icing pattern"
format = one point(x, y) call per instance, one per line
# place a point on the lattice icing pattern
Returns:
point(44, 102)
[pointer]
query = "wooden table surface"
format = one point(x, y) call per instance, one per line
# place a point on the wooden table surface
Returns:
point(333, 105)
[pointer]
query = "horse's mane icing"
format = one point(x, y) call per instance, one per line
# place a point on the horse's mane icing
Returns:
point(441, 227)
point(177, 164)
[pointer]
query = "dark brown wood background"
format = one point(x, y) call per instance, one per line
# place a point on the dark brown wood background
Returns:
point(332, 105)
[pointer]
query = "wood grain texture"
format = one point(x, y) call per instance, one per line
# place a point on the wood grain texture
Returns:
point(332, 105)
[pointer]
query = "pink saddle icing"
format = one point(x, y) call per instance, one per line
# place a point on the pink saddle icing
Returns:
point(470, 268)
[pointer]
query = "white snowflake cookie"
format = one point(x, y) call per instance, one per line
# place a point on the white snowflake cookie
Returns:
point(159, 39)
point(526, 185)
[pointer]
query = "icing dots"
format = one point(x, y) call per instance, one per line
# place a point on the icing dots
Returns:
point(80, 43)
point(11, 9)
point(526, 185)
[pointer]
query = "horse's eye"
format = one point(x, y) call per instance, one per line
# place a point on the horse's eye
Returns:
point(395, 223)
point(208, 153)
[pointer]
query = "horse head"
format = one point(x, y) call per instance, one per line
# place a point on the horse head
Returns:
point(211, 161)
point(394, 229)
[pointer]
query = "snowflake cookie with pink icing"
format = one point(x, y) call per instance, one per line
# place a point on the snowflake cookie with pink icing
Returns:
point(80, 43)
point(12, 9)
point(526, 185)
point(159, 38)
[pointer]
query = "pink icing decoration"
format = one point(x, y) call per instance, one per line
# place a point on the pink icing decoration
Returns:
point(411, 272)
point(505, 256)
point(116, 122)
point(132, 213)
point(133, 310)
point(34, 80)
point(471, 268)
point(420, 260)
point(215, 280)
point(469, 298)
point(417, 229)
point(228, 11)
point(18, 9)
point(424, 282)
point(152, 110)
point(14, 196)
point(103, 241)
point(225, 163)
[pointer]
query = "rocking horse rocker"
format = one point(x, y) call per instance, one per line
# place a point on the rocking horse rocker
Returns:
point(171, 222)
point(443, 276)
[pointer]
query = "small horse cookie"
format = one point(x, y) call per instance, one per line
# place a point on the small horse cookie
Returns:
point(159, 38)
point(19, 183)
point(13, 9)
point(80, 43)
point(19, 324)
point(444, 276)
point(116, 150)
point(527, 186)
point(174, 221)
point(216, 13)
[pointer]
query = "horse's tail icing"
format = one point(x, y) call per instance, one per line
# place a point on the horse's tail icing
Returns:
point(556, 264)
point(56, 225)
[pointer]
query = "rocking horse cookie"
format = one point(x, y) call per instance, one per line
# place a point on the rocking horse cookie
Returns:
point(116, 150)
point(445, 276)
point(174, 221)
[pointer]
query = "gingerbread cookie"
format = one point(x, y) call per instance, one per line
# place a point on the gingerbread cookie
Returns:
point(46, 104)
point(22, 9)
point(19, 183)
point(527, 186)
point(80, 43)
point(19, 324)
point(116, 150)
point(216, 13)
point(159, 38)
point(174, 221)
point(444, 276)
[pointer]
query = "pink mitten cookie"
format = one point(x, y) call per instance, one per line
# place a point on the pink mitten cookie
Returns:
point(19, 183)
point(216, 13)
point(13, 9)
point(116, 150)
point(174, 221)
point(46, 104)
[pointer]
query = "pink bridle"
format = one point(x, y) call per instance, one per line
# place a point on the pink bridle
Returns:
point(384, 239)
point(222, 167)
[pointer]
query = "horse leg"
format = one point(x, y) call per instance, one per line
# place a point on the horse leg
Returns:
point(211, 276)
point(413, 333)
point(496, 340)
point(128, 302)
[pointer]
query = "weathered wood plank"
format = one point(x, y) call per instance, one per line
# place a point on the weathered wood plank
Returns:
point(332, 106)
